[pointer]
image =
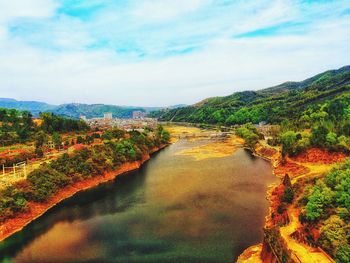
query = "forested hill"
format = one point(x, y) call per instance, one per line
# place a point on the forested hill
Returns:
point(74, 110)
point(274, 104)
point(35, 107)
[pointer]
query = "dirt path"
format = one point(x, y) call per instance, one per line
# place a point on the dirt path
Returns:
point(302, 251)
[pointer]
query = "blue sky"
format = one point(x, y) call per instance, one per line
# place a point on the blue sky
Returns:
point(164, 52)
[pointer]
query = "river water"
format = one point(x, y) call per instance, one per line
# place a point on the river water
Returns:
point(173, 209)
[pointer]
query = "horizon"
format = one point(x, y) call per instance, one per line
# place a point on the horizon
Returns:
point(160, 53)
point(165, 106)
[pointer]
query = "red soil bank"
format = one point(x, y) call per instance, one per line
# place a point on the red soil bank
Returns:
point(316, 155)
point(276, 217)
point(269, 152)
point(292, 169)
point(35, 210)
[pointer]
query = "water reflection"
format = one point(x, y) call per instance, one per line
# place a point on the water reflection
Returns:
point(101, 200)
point(174, 209)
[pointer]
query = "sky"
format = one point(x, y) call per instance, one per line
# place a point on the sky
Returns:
point(164, 52)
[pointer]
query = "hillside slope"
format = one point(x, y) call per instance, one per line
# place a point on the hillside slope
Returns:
point(35, 107)
point(272, 104)
point(75, 110)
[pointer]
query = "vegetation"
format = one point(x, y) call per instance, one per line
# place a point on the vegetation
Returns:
point(288, 195)
point(34, 107)
point(327, 204)
point(329, 125)
point(311, 113)
point(72, 110)
point(15, 126)
point(18, 126)
point(117, 148)
point(250, 135)
point(314, 114)
point(53, 123)
point(273, 105)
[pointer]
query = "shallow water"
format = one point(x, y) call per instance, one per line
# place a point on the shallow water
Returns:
point(174, 209)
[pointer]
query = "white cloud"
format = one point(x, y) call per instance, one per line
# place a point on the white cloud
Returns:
point(155, 10)
point(221, 66)
point(264, 15)
point(11, 9)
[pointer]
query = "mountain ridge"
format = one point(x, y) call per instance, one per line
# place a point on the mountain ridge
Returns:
point(272, 104)
point(75, 110)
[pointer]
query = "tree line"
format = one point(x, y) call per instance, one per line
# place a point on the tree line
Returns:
point(19, 127)
point(327, 205)
point(41, 184)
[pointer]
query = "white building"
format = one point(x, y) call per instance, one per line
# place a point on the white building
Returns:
point(108, 116)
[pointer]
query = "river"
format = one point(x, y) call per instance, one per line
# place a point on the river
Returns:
point(173, 209)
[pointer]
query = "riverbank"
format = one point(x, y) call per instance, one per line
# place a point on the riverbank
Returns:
point(253, 253)
point(314, 162)
point(35, 210)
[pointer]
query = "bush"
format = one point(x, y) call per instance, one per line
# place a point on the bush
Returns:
point(342, 254)
point(319, 136)
point(288, 140)
point(288, 195)
point(250, 135)
point(46, 182)
point(328, 204)
point(12, 201)
point(333, 234)
point(320, 198)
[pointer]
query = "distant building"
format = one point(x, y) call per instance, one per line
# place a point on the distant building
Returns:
point(137, 123)
point(83, 117)
point(108, 116)
point(138, 114)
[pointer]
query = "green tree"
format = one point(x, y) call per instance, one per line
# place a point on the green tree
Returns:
point(288, 140)
point(344, 142)
point(57, 140)
point(288, 195)
point(333, 233)
point(46, 181)
point(80, 139)
point(331, 139)
point(342, 253)
point(321, 197)
point(319, 136)
point(251, 140)
point(40, 139)
point(302, 144)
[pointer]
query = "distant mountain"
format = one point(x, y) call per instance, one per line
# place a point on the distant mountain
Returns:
point(33, 106)
point(273, 104)
point(75, 110)
point(177, 106)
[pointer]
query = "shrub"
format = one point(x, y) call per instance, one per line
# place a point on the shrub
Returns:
point(333, 233)
point(46, 182)
point(342, 254)
point(288, 195)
